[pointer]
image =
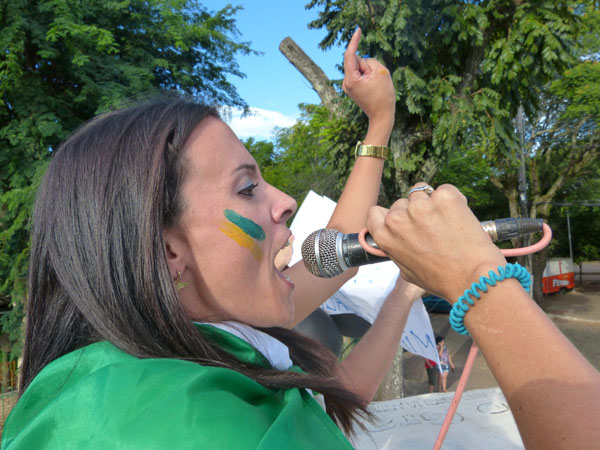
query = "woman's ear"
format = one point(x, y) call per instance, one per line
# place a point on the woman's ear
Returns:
point(176, 249)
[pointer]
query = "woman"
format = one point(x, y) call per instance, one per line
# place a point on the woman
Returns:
point(152, 273)
point(445, 363)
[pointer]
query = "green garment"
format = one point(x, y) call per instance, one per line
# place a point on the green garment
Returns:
point(99, 397)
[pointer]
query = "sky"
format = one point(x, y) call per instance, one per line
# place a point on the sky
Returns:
point(273, 87)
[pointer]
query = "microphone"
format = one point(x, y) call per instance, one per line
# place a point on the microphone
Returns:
point(328, 253)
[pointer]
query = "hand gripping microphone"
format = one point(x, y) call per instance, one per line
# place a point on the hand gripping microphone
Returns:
point(328, 253)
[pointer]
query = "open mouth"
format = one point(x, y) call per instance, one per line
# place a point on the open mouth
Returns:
point(284, 255)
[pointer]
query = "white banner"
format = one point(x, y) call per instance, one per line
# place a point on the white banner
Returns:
point(482, 420)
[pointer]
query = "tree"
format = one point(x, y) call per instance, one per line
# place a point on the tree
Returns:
point(471, 173)
point(65, 61)
point(584, 223)
point(461, 68)
point(296, 161)
point(578, 202)
point(562, 138)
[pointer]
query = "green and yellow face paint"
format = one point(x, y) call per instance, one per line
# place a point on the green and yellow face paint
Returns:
point(243, 231)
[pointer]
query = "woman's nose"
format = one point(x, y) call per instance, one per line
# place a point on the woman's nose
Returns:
point(284, 207)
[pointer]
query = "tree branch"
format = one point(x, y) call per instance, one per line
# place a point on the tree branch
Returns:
point(471, 67)
point(313, 73)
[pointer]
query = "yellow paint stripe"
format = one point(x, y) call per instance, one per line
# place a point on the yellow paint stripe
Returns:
point(240, 236)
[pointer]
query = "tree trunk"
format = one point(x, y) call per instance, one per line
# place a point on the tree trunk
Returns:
point(402, 145)
point(538, 264)
point(313, 73)
point(392, 385)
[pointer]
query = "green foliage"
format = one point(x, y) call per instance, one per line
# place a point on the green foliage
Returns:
point(579, 89)
point(461, 68)
point(311, 154)
point(564, 136)
point(64, 61)
point(582, 195)
point(585, 239)
point(470, 172)
point(310, 157)
point(262, 151)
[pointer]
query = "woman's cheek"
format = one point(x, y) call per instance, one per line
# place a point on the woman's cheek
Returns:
point(244, 231)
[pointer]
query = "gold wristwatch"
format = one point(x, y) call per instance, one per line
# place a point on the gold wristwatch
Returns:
point(375, 151)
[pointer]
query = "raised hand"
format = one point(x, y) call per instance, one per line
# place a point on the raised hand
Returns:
point(368, 82)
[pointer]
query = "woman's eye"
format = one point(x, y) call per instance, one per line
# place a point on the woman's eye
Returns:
point(247, 191)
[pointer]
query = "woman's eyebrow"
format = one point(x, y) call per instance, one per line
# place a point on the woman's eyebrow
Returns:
point(249, 167)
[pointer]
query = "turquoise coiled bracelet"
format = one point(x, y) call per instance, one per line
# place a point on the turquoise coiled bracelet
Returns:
point(460, 308)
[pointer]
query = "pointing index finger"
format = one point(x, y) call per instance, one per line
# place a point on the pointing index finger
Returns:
point(353, 44)
point(350, 59)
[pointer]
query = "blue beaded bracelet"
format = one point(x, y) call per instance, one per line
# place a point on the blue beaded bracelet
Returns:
point(460, 308)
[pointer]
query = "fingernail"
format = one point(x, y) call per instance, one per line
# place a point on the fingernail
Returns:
point(357, 27)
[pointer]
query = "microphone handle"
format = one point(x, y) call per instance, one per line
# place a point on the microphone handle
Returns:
point(354, 255)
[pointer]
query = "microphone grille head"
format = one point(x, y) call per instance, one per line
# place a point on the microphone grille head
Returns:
point(319, 253)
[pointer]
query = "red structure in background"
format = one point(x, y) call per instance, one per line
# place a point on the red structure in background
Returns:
point(559, 276)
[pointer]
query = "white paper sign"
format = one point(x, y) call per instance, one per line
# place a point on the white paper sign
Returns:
point(365, 293)
point(482, 420)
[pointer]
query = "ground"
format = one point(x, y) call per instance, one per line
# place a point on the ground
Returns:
point(576, 314)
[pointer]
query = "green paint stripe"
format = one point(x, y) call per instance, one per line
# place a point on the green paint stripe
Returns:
point(252, 228)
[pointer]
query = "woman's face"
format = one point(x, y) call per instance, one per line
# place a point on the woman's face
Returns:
point(232, 226)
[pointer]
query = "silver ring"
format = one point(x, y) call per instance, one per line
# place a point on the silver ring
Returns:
point(428, 189)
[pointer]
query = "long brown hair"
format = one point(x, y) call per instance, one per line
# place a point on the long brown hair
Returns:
point(98, 268)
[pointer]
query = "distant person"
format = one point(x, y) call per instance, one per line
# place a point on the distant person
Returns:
point(432, 374)
point(445, 363)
